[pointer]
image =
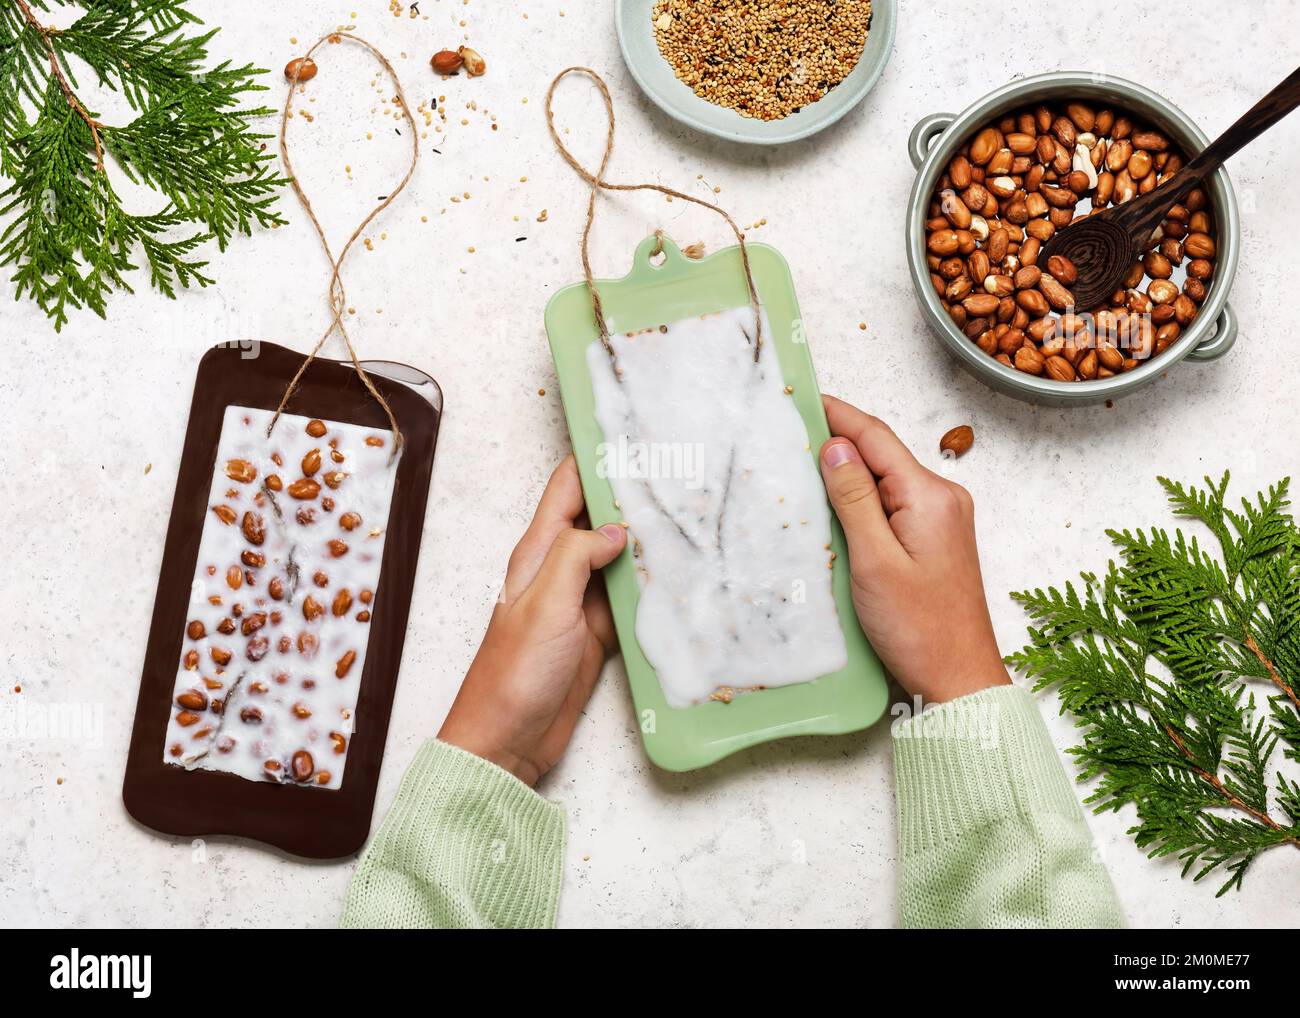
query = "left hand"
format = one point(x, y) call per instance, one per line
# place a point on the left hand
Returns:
point(548, 639)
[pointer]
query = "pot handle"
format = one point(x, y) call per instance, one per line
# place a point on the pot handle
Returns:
point(923, 135)
point(1220, 341)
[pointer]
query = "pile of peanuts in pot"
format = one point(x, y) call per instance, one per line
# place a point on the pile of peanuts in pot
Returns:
point(1014, 184)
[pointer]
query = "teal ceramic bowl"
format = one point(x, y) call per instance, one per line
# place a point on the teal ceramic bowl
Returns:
point(636, 38)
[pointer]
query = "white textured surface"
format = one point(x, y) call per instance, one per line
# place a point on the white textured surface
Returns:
point(758, 838)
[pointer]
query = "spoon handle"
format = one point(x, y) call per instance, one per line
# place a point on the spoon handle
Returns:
point(1142, 215)
point(1263, 115)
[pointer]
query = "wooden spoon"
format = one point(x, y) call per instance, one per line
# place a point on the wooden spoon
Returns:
point(1104, 246)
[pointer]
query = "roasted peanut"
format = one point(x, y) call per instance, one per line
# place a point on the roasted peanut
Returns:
point(302, 765)
point(1063, 269)
point(254, 528)
point(304, 489)
point(1199, 245)
point(1029, 360)
point(193, 700)
point(241, 471)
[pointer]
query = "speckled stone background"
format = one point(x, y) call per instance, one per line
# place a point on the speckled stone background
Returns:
point(796, 833)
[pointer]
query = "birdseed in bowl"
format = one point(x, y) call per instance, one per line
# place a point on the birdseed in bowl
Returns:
point(764, 61)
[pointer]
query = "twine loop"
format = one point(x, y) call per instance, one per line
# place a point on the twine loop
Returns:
point(335, 292)
point(597, 183)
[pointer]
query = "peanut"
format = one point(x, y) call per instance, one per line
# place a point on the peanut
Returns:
point(302, 765)
point(957, 441)
point(241, 471)
point(1059, 369)
point(1057, 295)
point(984, 145)
point(300, 69)
point(446, 62)
point(1199, 245)
point(1029, 360)
point(254, 528)
point(1063, 269)
point(193, 700)
point(304, 489)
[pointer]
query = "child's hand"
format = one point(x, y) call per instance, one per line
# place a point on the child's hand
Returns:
point(912, 556)
point(546, 643)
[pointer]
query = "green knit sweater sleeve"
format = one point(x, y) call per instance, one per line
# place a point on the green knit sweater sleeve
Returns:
point(465, 844)
point(991, 832)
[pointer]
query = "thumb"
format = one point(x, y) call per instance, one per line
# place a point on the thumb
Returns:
point(572, 557)
point(856, 500)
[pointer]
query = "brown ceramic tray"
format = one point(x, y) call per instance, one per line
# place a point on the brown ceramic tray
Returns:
point(306, 821)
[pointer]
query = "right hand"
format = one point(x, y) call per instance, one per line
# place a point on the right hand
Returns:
point(912, 556)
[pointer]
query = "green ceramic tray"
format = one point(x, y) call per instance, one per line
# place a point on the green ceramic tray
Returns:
point(681, 739)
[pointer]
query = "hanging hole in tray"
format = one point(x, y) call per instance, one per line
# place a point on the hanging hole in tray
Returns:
point(658, 258)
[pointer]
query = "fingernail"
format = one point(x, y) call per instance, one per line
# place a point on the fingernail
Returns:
point(837, 454)
point(613, 532)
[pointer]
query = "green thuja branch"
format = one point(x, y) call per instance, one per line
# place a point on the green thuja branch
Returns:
point(67, 240)
point(1181, 668)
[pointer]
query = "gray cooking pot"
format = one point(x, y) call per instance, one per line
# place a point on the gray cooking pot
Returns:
point(936, 139)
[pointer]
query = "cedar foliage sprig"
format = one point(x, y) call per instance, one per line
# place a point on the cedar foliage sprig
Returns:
point(1195, 748)
point(68, 238)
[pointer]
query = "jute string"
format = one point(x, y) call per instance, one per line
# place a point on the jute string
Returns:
point(336, 295)
point(597, 182)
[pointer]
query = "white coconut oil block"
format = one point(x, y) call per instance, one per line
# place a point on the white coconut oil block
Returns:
point(711, 467)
